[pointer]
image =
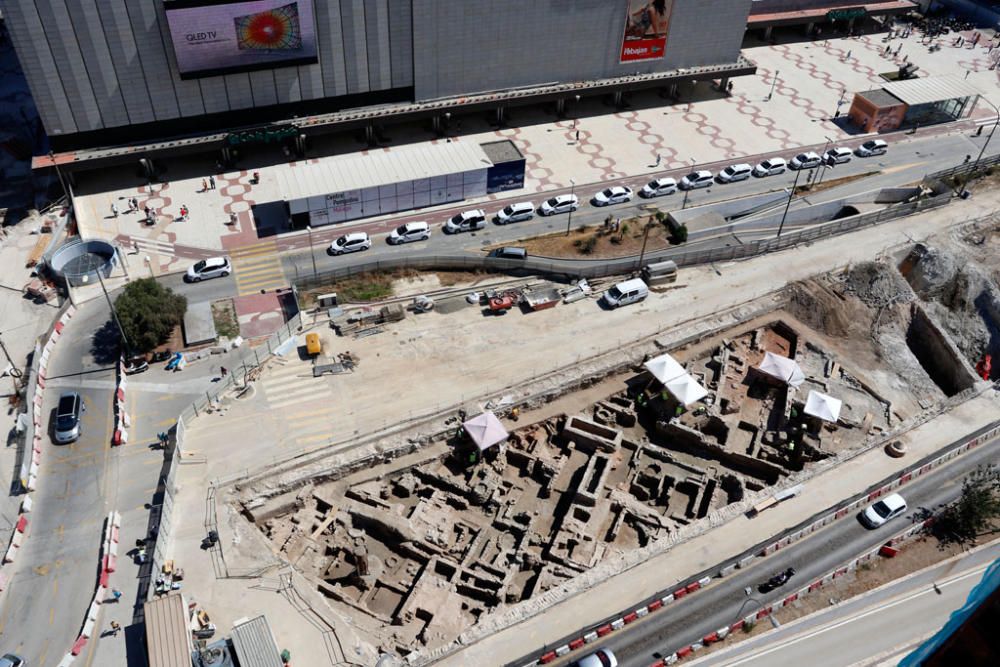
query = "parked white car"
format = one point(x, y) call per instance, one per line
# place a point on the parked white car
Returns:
point(872, 147)
point(837, 155)
point(806, 160)
point(213, 267)
point(772, 166)
point(559, 204)
point(353, 242)
point(883, 510)
point(602, 657)
point(522, 210)
point(659, 187)
point(696, 179)
point(409, 232)
point(466, 221)
point(617, 194)
point(735, 172)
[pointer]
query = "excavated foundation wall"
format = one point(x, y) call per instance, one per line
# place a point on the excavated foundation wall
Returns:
point(937, 353)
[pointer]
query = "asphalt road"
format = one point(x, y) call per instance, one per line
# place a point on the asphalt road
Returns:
point(893, 619)
point(725, 601)
point(904, 163)
point(55, 572)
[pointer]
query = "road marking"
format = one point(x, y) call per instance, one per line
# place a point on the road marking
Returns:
point(52, 615)
point(757, 654)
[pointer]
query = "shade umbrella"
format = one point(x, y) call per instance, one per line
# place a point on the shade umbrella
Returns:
point(825, 407)
point(783, 368)
point(485, 430)
point(686, 389)
point(664, 368)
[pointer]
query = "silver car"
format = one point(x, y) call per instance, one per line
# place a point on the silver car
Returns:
point(68, 414)
point(213, 267)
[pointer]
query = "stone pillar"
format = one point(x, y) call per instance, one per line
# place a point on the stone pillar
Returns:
point(809, 27)
point(561, 108)
point(767, 32)
point(618, 99)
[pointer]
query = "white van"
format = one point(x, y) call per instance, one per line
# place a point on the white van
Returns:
point(522, 210)
point(734, 172)
point(622, 294)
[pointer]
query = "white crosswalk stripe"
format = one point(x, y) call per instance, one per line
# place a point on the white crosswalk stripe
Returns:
point(292, 385)
point(155, 246)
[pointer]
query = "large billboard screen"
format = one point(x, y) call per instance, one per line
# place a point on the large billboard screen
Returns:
point(647, 23)
point(213, 37)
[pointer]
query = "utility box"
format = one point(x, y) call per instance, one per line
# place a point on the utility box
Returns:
point(660, 273)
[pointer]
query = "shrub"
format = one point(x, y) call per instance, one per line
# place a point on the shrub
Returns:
point(589, 245)
point(148, 313)
point(680, 235)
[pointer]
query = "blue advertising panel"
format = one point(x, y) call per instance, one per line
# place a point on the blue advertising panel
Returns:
point(505, 176)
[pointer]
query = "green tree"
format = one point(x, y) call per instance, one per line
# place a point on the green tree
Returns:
point(148, 312)
point(680, 235)
point(973, 513)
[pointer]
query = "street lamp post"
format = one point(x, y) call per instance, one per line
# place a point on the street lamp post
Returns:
point(997, 122)
point(687, 191)
point(114, 313)
point(789, 202)
point(645, 235)
point(774, 81)
point(572, 191)
point(312, 253)
point(823, 155)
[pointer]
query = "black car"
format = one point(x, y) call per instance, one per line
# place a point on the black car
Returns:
point(136, 364)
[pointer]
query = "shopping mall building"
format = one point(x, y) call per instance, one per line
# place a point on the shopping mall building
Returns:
point(118, 80)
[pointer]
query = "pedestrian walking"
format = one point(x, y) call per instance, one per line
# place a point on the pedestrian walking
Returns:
point(898, 48)
point(578, 136)
point(115, 627)
point(211, 182)
point(848, 56)
point(184, 212)
point(256, 177)
point(114, 210)
point(204, 185)
point(223, 371)
point(232, 218)
point(116, 594)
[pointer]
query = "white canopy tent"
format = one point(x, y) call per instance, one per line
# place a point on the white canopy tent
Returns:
point(783, 368)
point(825, 407)
point(665, 368)
point(686, 389)
point(485, 430)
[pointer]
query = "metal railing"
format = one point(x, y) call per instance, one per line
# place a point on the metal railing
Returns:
point(966, 168)
point(600, 268)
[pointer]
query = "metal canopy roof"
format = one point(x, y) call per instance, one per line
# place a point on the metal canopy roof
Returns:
point(930, 89)
point(382, 166)
point(254, 643)
point(168, 637)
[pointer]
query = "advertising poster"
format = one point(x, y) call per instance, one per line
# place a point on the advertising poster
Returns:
point(646, 25)
point(213, 37)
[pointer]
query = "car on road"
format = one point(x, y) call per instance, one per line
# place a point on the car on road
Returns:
point(806, 160)
point(600, 658)
point(772, 166)
point(522, 210)
point(696, 179)
point(68, 412)
point(213, 267)
point(353, 242)
point(466, 221)
point(837, 155)
point(559, 204)
point(872, 147)
point(883, 510)
point(509, 252)
point(618, 194)
point(735, 172)
point(133, 365)
point(11, 660)
point(409, 232)
point(659, 187)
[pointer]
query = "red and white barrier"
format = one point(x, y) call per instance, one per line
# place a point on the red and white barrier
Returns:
point(122, 421)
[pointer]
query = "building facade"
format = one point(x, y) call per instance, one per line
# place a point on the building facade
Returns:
point(112, 72)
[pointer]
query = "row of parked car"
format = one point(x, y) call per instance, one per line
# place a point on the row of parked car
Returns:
point(476, 219)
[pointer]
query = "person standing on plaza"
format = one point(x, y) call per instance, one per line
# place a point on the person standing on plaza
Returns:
point(114, 210)
point(115, 627)
point(204, 185)
point(659, 158)
point(211, 182)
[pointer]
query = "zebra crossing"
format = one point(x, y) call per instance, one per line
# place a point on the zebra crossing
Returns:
point(291, 390)
point(257, 268)
point(154, 246)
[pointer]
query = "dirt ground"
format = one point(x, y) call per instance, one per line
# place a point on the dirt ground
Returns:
point(915, 556)
point(623, 244)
